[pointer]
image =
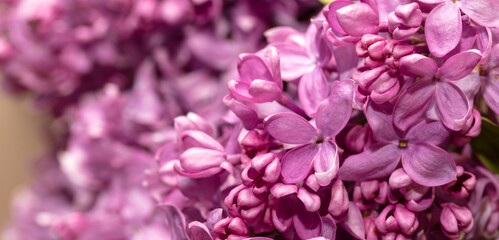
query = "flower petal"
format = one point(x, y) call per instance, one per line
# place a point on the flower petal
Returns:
point(379, 118)
point(312, 90)
point(453, 106)
point(297, 162)
point(326, 163)
point(377, 161)
point(198, 139)
point(198, 231)
point(307, 224)
point(358, 19)
point(460, 65)
point(354, 222)
point(246, 113)
point(251, 67)
point(282, 217)
point(334, 113)
point(483, 12)
point(412, 104)
point(428, 165)
point(417, 65)
point(428, 131)
point(175, 222)
point(264, 91)
point(290, 128)
point(295, 61)
point(443, 28)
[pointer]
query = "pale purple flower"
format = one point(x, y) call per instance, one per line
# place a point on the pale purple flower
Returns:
point(349, 21)
point(422, 159)
point(396, 222)
point(303, 57)
point(405, 20)
point(317, 144)
point(454, 219)
point(259, 77)
point(443, 26)
point(436, 87)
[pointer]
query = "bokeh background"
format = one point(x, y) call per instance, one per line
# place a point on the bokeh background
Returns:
point(21, 142)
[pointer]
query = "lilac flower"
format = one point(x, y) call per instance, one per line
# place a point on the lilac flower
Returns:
point(317, 146)
point(416, 198)
point(396, 222)
point(260, 77)
point(436, 86)
point(441, 40)
point(350, 20)
point(454, 219)
point(303, 57)
point(296, 207)
point(405, 20)
point(417, 148)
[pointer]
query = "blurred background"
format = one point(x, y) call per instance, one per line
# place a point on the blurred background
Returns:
point(21, 142)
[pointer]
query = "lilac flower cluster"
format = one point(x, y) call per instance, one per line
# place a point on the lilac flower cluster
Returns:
point(58, 50)
point(367, 124)
point(357, 128)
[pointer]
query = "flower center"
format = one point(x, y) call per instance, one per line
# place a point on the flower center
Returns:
point(320, 139)
point(403, 144)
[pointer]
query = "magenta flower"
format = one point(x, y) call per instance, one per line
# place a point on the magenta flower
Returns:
point(436, 87)
point(317, 145)
point(259, 77)
point(349, 21)
point(405, 20)
point(443, 26)
point(303, 57)
point(423, 161)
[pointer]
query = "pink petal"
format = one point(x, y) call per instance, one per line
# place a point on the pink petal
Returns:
point(432, 132)
point(358, 19)
point(354, 222)
point(334, 113)
point(317, 47)
point(312, 90)
point(193, 138)
point(483, 12)
point(296, 164)
point(295, 61)
point(326, 163)
point(246, 113)
point(282, 217)
point(175, 222)
point(330, 13)
point(443, 28)
point(311, 201)
point(281, 34)
point(453, 106)
point(307, 224)
point(412, 104)
point(199, 231)
point(417, 65)
point(378, 161)
point(251, 67)
point(290, 128)
point(200, 159)
point(428, 165)
point(264, 91)
point(459, 65)
point(379, 118)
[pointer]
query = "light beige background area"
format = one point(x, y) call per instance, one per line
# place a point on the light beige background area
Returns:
point(21, 141)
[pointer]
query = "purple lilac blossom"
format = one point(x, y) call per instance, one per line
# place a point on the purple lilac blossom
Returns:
point(357, 126)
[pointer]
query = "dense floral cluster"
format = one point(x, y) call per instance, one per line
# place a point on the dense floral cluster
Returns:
point(371, 123)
